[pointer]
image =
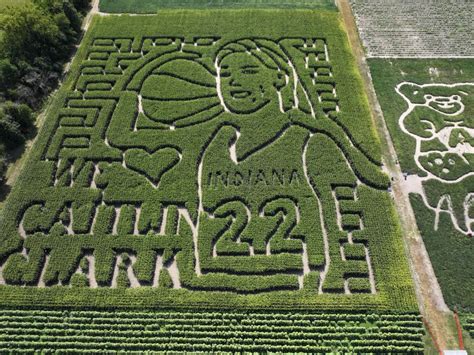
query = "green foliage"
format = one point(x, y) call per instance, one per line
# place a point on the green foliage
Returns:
point(197, 331)
point(359, 285)
point(35, 39)
point(450, 251)
point(469, 324)
point(3, 163)
point(64, 14)
point(450, 254)
point(44, 28)
point(78, 280)
point(28, 33)
point(81, 5)
point(354, 251)
point(8, 74)
point(15, 269)
point(15, 122)
point(20, 114)
point(260, 177)
point(152, 6)
point(165, 279)
point(5, 3)
point(10, 133)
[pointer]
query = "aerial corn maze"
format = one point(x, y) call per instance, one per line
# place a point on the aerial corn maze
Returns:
point(214, 180)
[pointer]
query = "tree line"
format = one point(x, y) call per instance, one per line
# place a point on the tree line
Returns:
point(36, 39)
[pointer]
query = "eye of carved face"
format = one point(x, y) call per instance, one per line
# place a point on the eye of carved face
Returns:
point(246, 83)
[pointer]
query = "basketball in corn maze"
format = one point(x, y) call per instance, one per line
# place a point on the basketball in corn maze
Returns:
point(216, 180)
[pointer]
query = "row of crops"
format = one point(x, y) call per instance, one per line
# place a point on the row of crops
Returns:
point(150, 6)
point(106, 331)
point(469, 325)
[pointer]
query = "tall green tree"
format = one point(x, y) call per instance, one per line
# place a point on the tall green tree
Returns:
point(19, 113)
point(8, 74)
point(29, 32)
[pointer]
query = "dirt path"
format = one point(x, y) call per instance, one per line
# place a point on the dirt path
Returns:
point(94, 10)
point(428, 292)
